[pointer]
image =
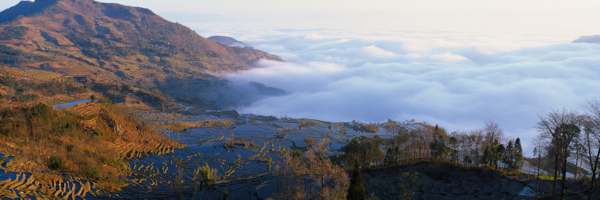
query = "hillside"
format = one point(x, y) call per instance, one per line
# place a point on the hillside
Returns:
point(90, 141)
point(112, 42)
point(228, 41)
point(450, 181)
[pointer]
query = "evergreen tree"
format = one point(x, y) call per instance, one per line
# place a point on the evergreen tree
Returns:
point(389, 157)
point(356, 191)
point(509, 155)
point(438, 147)
point(518, 157)
point(499, 154)
point(487, 156)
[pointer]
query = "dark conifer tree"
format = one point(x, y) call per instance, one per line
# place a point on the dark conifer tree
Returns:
point(518, 157)
point(499, 154)
point(356, 191)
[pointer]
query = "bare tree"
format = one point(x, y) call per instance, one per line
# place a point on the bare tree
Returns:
point(478, 139)
point(493, 133)
point(591, 139)
point(561, 127)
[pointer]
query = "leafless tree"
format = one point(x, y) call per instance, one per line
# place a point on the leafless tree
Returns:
point(478, 139)
point(493, 133)
point(561, 127)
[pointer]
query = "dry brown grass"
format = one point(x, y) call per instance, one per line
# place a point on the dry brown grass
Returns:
point(96, 146)
point(179, 126)
point(370, 128)
point(41, 75)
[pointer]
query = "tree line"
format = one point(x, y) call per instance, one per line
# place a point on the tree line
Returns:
point(480, 147)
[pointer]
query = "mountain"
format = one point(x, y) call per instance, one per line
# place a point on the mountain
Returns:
point(117, 43)
point(588, 39)
point(227, 41)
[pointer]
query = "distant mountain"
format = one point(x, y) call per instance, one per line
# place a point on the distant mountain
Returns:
point(113, 42)
point(227, 41)
point(588, 39)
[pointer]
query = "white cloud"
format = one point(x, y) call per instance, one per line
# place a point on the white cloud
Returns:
point(448, 57)
point(376, 51)
point(332, 78)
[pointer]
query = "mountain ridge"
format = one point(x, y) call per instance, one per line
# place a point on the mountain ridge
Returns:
point(228, 41)
point(109, 41)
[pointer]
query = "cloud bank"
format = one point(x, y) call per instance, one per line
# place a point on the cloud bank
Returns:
point(459, 87)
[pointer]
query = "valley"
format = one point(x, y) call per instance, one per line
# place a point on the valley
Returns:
point(107, 101)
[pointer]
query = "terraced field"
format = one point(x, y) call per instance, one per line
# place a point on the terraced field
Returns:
point(17, 185)
point(247, 157)
point(237, 153)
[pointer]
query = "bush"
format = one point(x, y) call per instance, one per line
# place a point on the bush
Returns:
point(92, 172)
point(208, 179)
point(55, 163)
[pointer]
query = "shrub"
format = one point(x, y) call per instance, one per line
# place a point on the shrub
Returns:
point(92, 172)
point(55, 163)
point(208, 179)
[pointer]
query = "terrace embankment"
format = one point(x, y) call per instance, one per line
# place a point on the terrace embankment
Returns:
point(84, 146)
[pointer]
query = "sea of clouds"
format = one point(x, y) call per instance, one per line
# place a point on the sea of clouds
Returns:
point(453, 79)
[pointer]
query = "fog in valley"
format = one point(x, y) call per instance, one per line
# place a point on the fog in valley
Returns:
point(437, 77)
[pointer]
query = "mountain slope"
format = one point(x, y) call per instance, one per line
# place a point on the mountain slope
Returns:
point(228, 41)
point(113, 42)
